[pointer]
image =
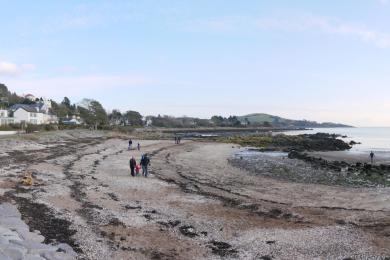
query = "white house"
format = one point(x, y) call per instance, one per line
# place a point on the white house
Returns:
point(33, 114)
point(5, 119)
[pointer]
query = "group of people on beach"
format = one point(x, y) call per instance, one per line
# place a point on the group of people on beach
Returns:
point(131, 145)
point(143, 164)
point(177, 139)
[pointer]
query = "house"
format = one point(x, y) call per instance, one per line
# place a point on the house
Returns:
point(149, 122)
point(5, 119)
point(74, 120)
point(36, 114)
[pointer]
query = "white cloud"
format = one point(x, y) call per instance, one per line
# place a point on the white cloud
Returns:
point(334, 26)
point(9, 69)
point(295, 23)
point(12, 69)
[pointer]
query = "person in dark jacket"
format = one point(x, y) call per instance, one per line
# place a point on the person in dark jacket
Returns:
point(130, 144)
point(145, 162)
point(372, 156)
point(133, 164)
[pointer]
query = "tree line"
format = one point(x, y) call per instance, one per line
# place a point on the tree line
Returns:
point(92, 113)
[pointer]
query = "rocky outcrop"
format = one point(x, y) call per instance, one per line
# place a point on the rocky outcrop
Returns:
point(287, 143)
point(379, 174)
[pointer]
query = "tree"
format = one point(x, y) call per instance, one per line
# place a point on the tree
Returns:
point(95, 115)
point(66, 102)
point(3, 90)
point(233, 121)
point(59, 109)
point(7, 98)
point(28, 101)
point(217, 120)
point(133, 118)
point(115, 117)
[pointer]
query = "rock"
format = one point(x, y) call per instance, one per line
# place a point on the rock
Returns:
point(13, 223)
point(3, 240)
point(67, 249)
point(15, 253)
point(57, 256)
point(367, 167)
point(188, 231)
point(34, 247)
point(13, 247)
point(9, 210)
point(31, 236)
point(3, 256)
point(33, 257)
point(8, 235)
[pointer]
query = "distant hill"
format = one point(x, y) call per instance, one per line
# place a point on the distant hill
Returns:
point(261, 119)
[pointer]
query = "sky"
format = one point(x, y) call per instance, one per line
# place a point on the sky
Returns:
point(317, 60)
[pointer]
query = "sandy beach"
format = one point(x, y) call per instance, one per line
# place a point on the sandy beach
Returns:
point(194, 205)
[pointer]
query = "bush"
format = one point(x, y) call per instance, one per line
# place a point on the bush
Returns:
point(50, 127)
point(32, 128)
point(121, 129)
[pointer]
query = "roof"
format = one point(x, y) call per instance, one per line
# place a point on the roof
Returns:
point(28, 108)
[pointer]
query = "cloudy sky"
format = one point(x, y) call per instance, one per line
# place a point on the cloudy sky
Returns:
point(319, 60)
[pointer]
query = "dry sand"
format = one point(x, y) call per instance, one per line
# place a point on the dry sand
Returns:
point(194, 205)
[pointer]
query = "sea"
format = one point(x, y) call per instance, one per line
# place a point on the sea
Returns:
point(375, 139)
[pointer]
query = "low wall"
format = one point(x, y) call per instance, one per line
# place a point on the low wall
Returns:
point(8, 132)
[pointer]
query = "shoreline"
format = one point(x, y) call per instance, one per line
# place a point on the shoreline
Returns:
point(381, 157)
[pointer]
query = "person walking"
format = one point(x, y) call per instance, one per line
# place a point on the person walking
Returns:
point(133, 164)
point(138, 147)
point(372, 155)
point(145, 162)
point(130, 144)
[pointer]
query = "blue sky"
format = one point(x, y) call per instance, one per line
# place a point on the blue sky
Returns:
point(318, 60)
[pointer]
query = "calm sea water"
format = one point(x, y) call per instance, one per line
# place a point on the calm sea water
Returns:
point(371, 138)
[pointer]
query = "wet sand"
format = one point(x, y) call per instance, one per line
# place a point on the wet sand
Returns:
point(381, 157)
point(194, 205)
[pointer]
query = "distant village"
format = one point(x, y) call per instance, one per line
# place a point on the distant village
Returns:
point(39, 112)
point(28, 110)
